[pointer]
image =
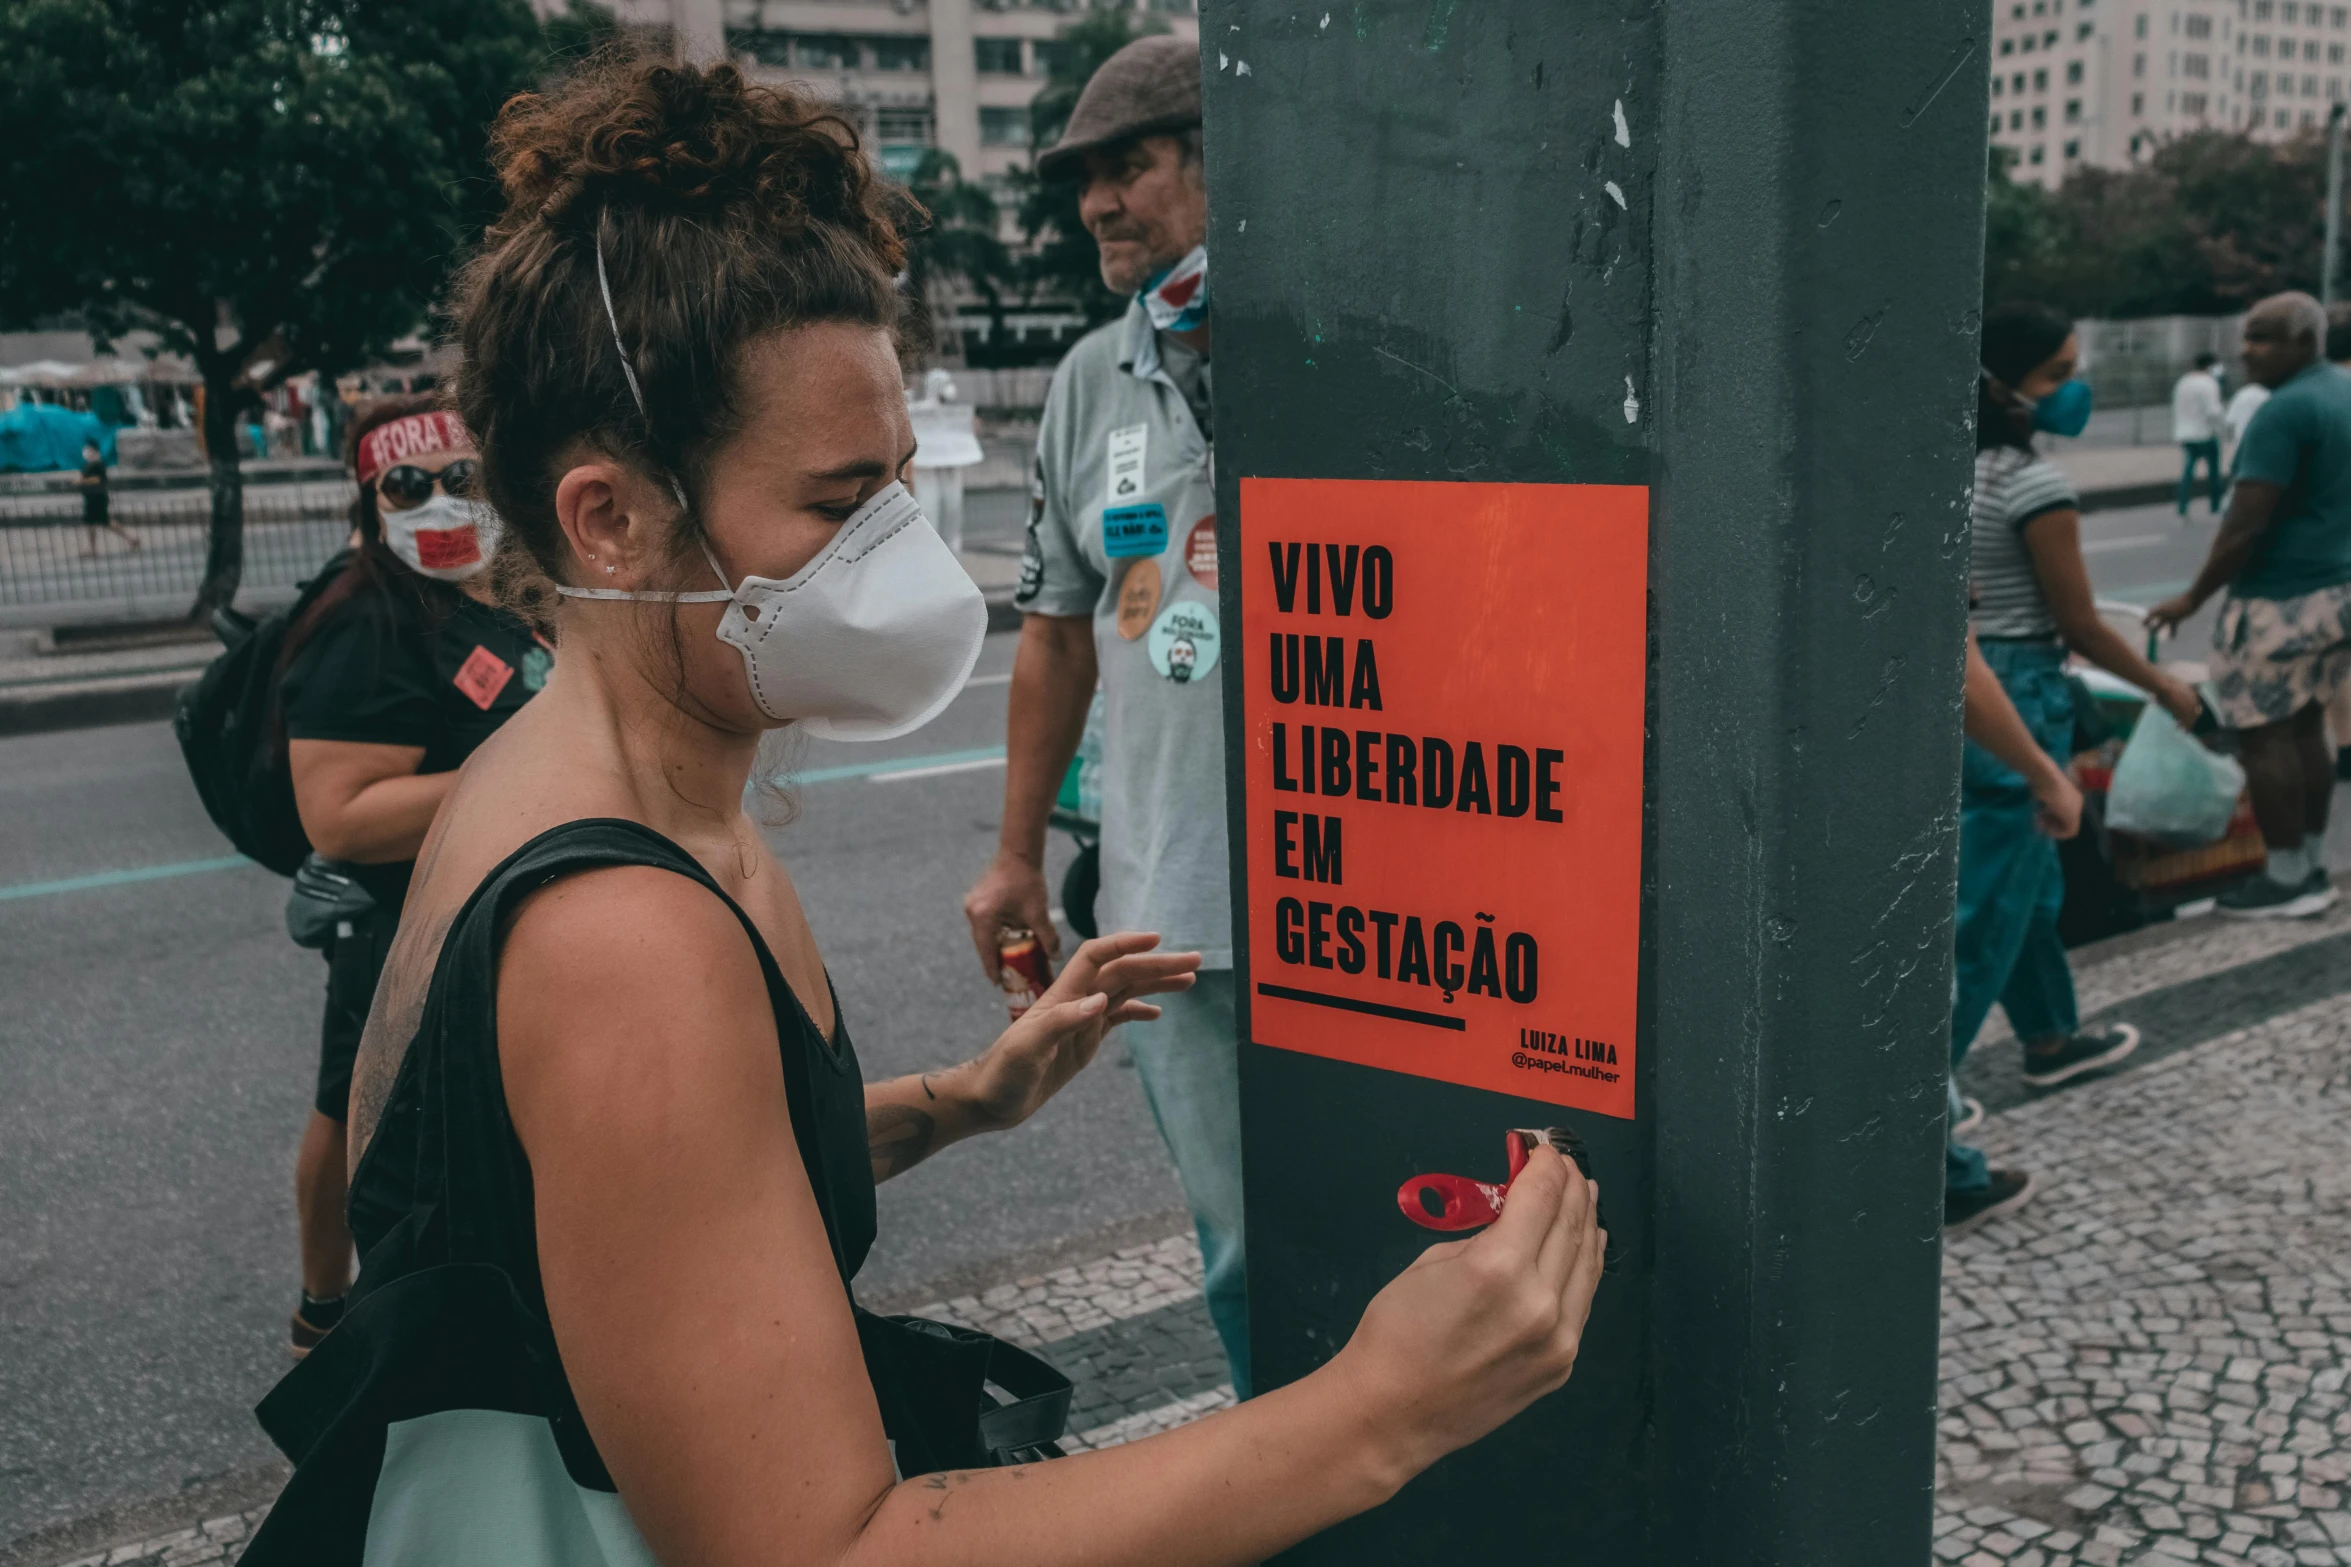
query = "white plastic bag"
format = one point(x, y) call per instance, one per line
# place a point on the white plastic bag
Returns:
point(2170, 788)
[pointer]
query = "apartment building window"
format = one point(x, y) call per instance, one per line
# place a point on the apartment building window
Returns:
point(2016, 11)
point(2138, 104)
point(2336, 16)
point(2083, 32)
point(2284, 119)
point(2138, 65)
point(2016, 82)
point(2040, 81)
point(2141, 30)
point(2309, 86)
point(2035, 155)
point(2195, 65)
point(2073, 150)
point(907, 127)
point(765, 47)
point(2261, 10)
point(2016, 119)
point(1999, 85)
point(1004, 127)
point(824, 51)
point(900, 54)
point(2199, 27)
point(2026, 45)
point(2308, 119)
point(2191, 103)
point(2261, 47)
point(2073, 111)
point(2288, 11)
point(2334, 54)
point(2040, 7)
point(2008, 46)
point(2334, 88)
point(2073, 72)
point(996, 56)
point(2040, 117)
point(2049, 39)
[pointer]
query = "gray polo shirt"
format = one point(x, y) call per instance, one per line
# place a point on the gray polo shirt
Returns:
point(1122, 527)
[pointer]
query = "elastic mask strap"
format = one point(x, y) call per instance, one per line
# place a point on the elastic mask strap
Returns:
point(604, 287)
point(718, 595)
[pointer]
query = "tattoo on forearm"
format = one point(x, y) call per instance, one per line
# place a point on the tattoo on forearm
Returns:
point(897, 1138)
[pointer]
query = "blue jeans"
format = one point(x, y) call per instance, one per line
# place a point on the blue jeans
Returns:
point(2011, 885)
point(1190, 1060)
point(2193, 452)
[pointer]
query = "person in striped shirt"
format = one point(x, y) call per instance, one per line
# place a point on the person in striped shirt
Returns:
point(2030, 604)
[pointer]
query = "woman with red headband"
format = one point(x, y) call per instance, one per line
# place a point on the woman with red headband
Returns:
point(393, 676)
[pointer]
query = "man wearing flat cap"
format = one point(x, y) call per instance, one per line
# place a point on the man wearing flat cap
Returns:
point(1119, 586)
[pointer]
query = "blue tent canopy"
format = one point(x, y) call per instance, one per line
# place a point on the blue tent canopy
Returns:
point(35, 437)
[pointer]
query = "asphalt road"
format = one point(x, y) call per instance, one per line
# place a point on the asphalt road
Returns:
point(159, 1038)
point(156, 1063)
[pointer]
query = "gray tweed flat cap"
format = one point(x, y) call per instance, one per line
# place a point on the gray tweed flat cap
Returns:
point(1150, 86)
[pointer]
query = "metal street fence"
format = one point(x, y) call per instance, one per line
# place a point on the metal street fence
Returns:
point(49, 556)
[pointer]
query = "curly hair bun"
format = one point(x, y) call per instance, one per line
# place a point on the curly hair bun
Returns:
point(686, 139)
point(724, 211)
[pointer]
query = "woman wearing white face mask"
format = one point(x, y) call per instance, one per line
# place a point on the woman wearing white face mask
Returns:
point(393, 675)
point(616, 1162)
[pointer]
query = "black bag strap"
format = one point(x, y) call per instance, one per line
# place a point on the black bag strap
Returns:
point(1031, 1421)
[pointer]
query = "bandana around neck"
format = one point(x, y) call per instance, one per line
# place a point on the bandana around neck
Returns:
point(1177, 299)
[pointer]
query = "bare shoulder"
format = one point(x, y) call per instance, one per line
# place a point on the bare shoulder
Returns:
point(630, 994)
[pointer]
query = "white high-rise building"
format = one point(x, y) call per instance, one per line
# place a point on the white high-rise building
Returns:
point(2101, 82)
point(913, 75)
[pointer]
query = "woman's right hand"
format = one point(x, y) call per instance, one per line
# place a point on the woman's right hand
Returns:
point(1476, 1330)
point(2181, 701)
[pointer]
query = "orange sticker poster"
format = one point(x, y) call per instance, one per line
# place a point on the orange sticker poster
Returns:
point(1444, 706)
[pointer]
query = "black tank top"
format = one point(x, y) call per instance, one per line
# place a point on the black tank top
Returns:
point(450, 1311)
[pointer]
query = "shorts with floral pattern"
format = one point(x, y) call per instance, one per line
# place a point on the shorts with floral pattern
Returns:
point(2271, 658)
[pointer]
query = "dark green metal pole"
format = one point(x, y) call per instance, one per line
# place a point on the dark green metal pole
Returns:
point(1730, 252)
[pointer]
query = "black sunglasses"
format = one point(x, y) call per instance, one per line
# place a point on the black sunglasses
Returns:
point(408, 485)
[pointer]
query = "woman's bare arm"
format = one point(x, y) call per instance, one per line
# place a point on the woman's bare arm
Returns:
point(362, 803)
point(910, 1118)
point(709, 1340)
point(2054, 539)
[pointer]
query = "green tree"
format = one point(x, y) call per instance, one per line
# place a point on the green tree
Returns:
point(279, 180)
point(1062, 262)
point(2206, 225)
point(955, 239)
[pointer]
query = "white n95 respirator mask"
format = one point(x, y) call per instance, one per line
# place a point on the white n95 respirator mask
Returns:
point(867, 641)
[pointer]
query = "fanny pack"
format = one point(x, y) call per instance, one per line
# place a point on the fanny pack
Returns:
point(325, 897)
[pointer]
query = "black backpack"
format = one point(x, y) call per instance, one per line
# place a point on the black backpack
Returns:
point(234, 740)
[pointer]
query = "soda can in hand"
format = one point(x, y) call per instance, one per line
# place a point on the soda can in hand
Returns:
point(1025, 972)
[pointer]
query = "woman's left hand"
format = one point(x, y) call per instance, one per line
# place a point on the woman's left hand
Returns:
point(1098, 989)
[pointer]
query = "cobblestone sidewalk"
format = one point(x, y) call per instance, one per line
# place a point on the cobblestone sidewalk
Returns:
point(2147, 1365)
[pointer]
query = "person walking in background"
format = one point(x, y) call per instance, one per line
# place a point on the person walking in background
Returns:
point(2244, 403)
point(393, 676)
point(97, 502)
point(1119, 576)
point(2196, 414)
point(2338, 713)
point(2281, 645)
point(2032, 602)
point(1990, 720)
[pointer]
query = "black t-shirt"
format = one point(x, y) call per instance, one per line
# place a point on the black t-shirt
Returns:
point(387, 670)
point(94, 488)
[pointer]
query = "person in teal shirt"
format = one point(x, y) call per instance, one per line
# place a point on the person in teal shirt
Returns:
point(2281, 645)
